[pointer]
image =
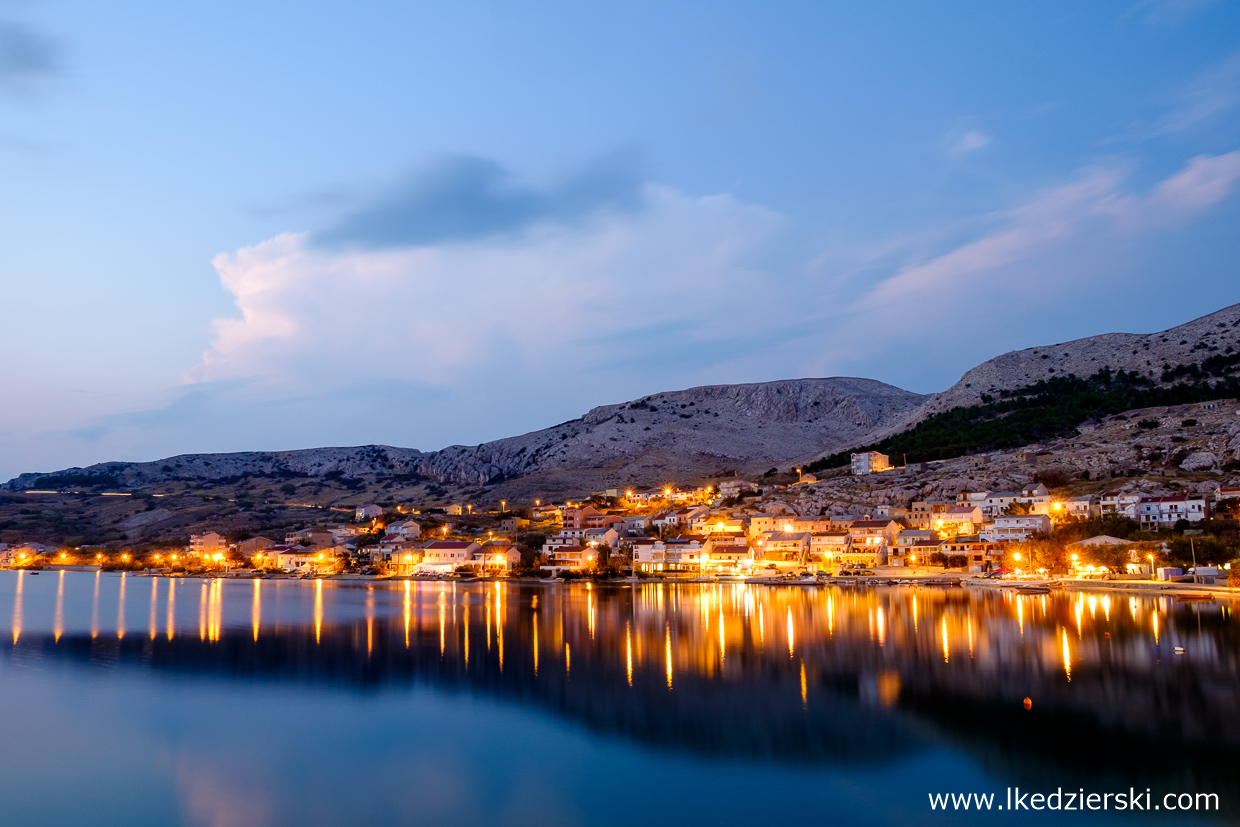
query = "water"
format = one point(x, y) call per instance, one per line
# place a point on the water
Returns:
point(131, 700)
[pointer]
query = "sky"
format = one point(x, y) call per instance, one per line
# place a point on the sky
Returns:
point(232, 226)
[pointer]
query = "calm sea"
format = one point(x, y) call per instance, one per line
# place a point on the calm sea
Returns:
point(135, 701)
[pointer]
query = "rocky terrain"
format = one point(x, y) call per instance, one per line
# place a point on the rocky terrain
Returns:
point(744, 428)
point(1192, 450)
point(677, 437)
point(1144, 353)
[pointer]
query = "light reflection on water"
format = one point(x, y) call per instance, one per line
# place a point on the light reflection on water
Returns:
point(843, 677)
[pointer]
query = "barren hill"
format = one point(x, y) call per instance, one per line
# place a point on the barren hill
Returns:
point(745, 428)
point(1145, 353)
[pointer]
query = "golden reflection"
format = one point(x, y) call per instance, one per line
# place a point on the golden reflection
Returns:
point(946, 651)
point(1020, 615)
point(152, 621)
point(968, 625)
point(409, 605)
point(120, 610)
point(667, 649)
point(216, 616)
point(370, 621)
point(568, 659)
point(534, 624)
point(804, 688)
point(1067, 655)
point(94, 608)
point(17, 606)
point(914, 613)
point(465, 623)
point(443, 613)
point(1080, 606)
point(882, 628)
point(488, 598)
point(628, 650)
point(1154, 622)
point(318, 611)
point(202, 612)
point(172, 604)
point(256, 609)
point(722, 638)
point(791, 633)
point(1106, 607)
point(58, 624)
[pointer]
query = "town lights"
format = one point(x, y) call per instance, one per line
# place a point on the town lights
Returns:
point(1016, 555)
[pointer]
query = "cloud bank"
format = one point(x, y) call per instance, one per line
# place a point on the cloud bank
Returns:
point(25, 53)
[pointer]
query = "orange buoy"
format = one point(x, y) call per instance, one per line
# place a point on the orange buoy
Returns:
point(1028, 704)
point(1106, 634)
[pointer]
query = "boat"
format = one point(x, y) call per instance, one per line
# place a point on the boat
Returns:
point(1194, 597)
point(1032, 590)
point(551, 580)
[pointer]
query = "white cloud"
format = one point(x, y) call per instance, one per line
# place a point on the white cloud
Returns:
point(554, 299)
point(972, 140)
point(1214, 91)
point(1095, 200)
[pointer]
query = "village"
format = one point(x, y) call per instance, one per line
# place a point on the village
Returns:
point(728, 530)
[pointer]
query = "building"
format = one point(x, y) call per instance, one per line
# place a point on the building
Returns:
point(497, 556)
point(786, 548)
point(998, 502)
point(829, 548)
point(594, 537)
point(582, 517)
point(254, 545)
point(726, 556)
point(540, 513)
point(1157, 513)
point(569, 558)
point(1120, 504)
point(906, 545)
point(922, 513)
point(870, 462)
point(445, 556)
point(958, 519)
point(317, 537)
point(294, 559)
point(979, 552)
point(1083, 508)
point(683, 554)
point(1228, 492)
point(872, 541)
point(404, 528)
point(636, 524)
point(207, 545)
point(1015, 528)
point(367, 512)
point(514, 524)
point(1035, 493)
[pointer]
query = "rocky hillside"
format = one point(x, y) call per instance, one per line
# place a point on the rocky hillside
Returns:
point(745, 428)
point(1147, 354)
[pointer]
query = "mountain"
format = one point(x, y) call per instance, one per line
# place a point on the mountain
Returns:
point(662, 437)
point(1216, 336)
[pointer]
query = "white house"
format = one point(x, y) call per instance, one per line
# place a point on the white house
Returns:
point(366, 512)
point(1156, 513)
point(870, 462)
point(444, 556)
point(1009, 528)
point(1124, 505)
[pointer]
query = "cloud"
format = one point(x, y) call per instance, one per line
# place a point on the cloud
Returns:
point(464, 198)
point(972, 140)
point(1166, 12)
point(1213, 92)
point(532, 320)
point(25, 54)
point(1095, 201)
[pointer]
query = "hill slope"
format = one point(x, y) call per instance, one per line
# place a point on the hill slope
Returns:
point(743, 427)
point(1146, 354)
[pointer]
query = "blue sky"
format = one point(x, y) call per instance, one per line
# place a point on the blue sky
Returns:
point(281, 225)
